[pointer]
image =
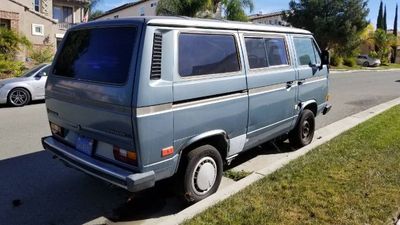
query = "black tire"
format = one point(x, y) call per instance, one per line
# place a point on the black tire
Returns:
point(200, 162)
point(366, 64)
point(303, 133)
point(19, 97)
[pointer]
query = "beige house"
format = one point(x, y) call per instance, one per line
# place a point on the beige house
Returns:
point(275, 18)
point(138, 8)
point(43, 22)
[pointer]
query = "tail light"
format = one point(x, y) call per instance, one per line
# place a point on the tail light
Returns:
point(125, 156)
point(55, 129)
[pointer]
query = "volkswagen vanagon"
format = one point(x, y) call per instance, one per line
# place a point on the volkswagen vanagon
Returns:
point(134, 101)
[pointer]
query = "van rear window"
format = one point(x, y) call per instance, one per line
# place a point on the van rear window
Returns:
point(97, 54)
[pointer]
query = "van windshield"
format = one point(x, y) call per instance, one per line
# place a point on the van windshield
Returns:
point(97, 54)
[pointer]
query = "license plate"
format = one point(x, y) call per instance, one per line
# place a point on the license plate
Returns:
point(84, 145)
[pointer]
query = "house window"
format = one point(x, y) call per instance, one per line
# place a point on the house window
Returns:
point(116, 16)
point(37, 29)
point(5, 23)
point(141, 12)
point(154, 4)
point(36, 4)
point(63, 14)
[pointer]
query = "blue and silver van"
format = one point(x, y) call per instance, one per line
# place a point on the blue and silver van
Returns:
point(134, 101)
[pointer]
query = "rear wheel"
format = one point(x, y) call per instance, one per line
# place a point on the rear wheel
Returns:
point(303, 133)
point(366, 64)
point(19, 97)
point(203, 173)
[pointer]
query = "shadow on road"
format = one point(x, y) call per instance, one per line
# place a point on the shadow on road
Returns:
point(37, 102)
point(35, 189)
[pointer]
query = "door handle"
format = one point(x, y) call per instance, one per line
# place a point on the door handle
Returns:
point(289, 84)
point(300, 82)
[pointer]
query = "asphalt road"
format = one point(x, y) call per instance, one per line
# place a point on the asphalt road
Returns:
point(35, 189)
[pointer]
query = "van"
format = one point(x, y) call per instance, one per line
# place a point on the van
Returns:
point(138, 100)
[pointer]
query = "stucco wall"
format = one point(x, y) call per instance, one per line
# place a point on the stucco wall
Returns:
point(134, 11)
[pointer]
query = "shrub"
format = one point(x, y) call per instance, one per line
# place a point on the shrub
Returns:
point(336, 60)
point(350, 62)
point(41, 54)
point(10, 68)
point(373, 54)
point(10, 43)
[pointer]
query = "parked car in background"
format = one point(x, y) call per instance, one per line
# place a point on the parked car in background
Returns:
point(20, 91)
point(366, 61)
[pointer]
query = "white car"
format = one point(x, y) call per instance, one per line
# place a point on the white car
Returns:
point(20, 91)
point(367, 61)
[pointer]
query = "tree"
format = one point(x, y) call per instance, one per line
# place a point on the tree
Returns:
point(94, 14)
point(385, 20)
point(233, 9)
point(384, 42)
point(89, 8)
point(330, 20)
point(379, 21)
point(182, 7)
point(395, 34)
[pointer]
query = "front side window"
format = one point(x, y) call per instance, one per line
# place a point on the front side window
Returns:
point(201, 54)
point(306, 51)
point(98, 54)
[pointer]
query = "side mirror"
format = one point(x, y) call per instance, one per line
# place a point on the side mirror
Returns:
point(325, 57)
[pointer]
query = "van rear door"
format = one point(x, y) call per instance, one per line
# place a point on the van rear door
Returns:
point(90, 88)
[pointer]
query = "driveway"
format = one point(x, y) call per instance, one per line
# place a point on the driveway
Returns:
point(35, 189)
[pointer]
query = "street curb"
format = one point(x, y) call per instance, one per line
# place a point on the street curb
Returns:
point(333, 71)
point(322, 135)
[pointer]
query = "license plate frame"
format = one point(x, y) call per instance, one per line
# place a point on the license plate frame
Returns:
point(84, 145)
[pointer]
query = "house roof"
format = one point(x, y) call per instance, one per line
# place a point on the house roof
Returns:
point(119, 8)
point(260, 16)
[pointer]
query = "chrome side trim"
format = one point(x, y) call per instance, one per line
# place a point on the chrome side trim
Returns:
point(168, 107)
point(282, 121)
point(153, 110)
point(267, 89)
point(314, 79)
point(208, 101)
point(163, 161)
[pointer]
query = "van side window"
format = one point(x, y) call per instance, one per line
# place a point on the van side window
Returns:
point(276, 50)
point(256, 53)
point(306, 51)
point(201, 54)
point(265, 52)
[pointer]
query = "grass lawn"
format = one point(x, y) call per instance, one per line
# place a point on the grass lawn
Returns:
point(353, 179)
point(358, 67)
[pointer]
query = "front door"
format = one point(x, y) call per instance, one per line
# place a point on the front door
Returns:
point(312, 80)
point(272, 87)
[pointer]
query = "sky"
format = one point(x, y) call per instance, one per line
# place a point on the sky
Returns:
point(267, 6)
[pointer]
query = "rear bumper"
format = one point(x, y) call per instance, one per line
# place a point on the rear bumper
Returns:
point(327, 108)
point(113, 174)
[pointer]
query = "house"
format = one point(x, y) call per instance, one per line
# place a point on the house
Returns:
point(43, 22)
point(275, 18)
point(138, 8)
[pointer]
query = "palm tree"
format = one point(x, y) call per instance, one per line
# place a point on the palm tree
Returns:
point(233, 9)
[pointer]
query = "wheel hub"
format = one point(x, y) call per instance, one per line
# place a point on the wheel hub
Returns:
point(306, 129)
point(205, 174)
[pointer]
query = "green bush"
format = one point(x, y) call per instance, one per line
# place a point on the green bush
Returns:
point(350, 62)
point(10, 43)
point(336, 60)
point(373, 54)
point(10, 69)
point(41, 54)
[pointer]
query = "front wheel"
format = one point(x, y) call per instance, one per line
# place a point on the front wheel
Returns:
point(203, 173)
point(19, 97)
point(303, 133)
point(365, 64)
